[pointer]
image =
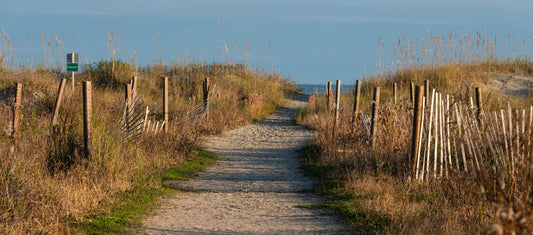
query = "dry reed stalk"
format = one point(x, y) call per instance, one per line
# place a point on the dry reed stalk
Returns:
point(436, 138)
point(461, 134)
point(448, 124)
point(472, 127)
point(443, 160)
point(495, 128)
point(492, 143)
point(468, 139)
point(510, 114)
point(421, 136)
point(477, 123)
point(312, 102)
point(530, 132)
point(518, 156)
point(428, 143)
point(504, 137)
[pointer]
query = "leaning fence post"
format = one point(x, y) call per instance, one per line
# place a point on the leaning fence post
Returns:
point(337, 101)
point(356, 102)
point(58, 101)
point(16, 111)
point(165, 103)
point(373, 124)
point(87, 118)
point(206, 97)
point(417, 123)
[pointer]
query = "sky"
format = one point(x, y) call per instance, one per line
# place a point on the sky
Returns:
point(310, 41)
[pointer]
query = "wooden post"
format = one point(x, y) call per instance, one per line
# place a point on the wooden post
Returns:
point(87, 119)
point(479, 104)
point(417, 123)
point(375, 109)
point(426, 90)
point(206, 97)
point(337, 102)
point(72, 82)
point(16, 111)
point(395, 92)
point(58, 101)
point(165, 102)
point(356, 101)
point(127, 92)
point(134, 82)
point(329, 95)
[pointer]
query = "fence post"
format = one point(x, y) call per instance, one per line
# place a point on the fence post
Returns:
point(337, 104)
point(356, 102)
point(87, 118)
point(329, 96)
point(375, 110)
point(72, 78)
point(165, 103)
point(134, 82)
point(58, 101)
point(16, 111)
point(479, 104)
point(417, 123)
point(206, 97)
point(127, 92)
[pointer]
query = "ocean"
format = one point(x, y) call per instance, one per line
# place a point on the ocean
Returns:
point(321, 88)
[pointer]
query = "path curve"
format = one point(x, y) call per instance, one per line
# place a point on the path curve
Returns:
point(256, 187)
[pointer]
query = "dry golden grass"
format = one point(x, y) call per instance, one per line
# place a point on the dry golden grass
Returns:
point(374, 191)
point(48, 183)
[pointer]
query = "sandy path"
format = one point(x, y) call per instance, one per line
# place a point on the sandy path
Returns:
point(255, 188)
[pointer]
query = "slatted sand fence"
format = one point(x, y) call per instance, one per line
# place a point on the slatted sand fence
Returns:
point(454, 137)
point(463, 138)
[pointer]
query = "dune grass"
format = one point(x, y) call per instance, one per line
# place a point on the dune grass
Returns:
point(49, 186)
point(372, 188)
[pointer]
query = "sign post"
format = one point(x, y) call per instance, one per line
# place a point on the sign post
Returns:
point(72, 65)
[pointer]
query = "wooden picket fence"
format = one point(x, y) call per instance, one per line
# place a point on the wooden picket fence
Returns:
point(134, 121)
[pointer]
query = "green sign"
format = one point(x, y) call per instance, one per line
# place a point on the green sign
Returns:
point(72, 67)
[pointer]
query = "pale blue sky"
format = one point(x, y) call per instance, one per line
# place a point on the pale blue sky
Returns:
point(311, 41)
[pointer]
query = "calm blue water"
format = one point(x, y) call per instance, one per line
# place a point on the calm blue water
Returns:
point(321, 88)
point(312, 41)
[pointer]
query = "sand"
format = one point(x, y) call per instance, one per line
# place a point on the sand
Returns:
point(255, 188)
